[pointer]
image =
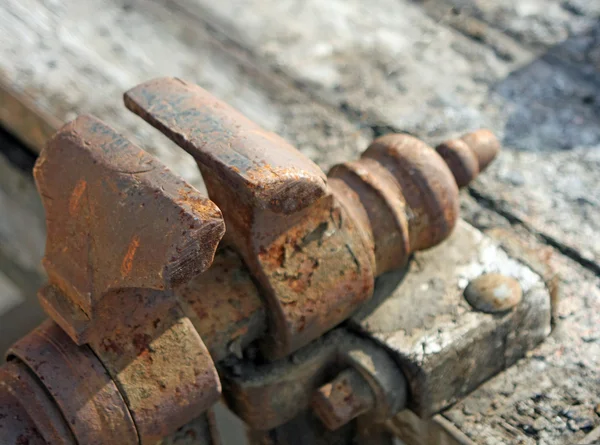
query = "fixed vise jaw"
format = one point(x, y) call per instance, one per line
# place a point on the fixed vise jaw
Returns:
point(118, 222)
point(123, 232)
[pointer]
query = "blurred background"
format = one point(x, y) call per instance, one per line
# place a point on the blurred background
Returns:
point(329, 76)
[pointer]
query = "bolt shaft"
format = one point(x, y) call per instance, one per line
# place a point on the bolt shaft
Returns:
point(344, 398)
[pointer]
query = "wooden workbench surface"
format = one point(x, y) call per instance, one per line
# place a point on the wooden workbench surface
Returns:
point(331, 75)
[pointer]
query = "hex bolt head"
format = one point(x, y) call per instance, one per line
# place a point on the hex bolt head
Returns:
point(493, 293)
point(344, 398)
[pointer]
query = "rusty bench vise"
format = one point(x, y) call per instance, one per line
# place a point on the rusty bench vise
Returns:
point(153, 317)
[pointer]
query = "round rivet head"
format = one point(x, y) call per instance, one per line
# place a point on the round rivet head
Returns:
point(493, 293)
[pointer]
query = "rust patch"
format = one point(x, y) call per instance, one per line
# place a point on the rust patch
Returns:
point(77, 381)
point(87, 258)
point(78, 192)
point(163, 370)
point(346, 397)
point(19, 381)
point(127, 263)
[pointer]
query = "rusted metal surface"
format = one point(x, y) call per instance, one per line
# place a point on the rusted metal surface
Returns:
point(371, 187)
point(97, 213)
point(85, 394)
point(460, 159)
point(224, 305)
point(258, 167)
point(123, 232)
point(408, 191)
point(346, 397)
point(469, 155)
point(428, 187)
point(16, 426)
point(313, 247)
point(254, 392)
point(318, 270)
point(18, 381)
point(300, 244)
point(162, 368)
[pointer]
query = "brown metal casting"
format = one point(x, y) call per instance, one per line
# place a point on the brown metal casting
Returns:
point(142, 329)
point(117, 221)
point(224, 305)
point(17, 381)
point(468, 156)
point(408, 192)
point(17, 425)
point(77, 381)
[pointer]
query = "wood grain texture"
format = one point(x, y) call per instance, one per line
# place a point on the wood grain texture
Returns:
point(528, 70)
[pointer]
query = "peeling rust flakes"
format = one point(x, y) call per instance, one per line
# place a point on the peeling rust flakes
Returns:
point(202, 207)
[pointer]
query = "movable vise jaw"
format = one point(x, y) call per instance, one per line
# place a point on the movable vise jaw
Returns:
point(311, 315)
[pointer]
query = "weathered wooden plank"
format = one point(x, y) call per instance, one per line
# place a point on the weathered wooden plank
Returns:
point(67, 61)
point(20, 116)
point(416, 67)
point(538, 24)
point(553, 113)
point(385, 59)
point(552, 396)
point(435, 431)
